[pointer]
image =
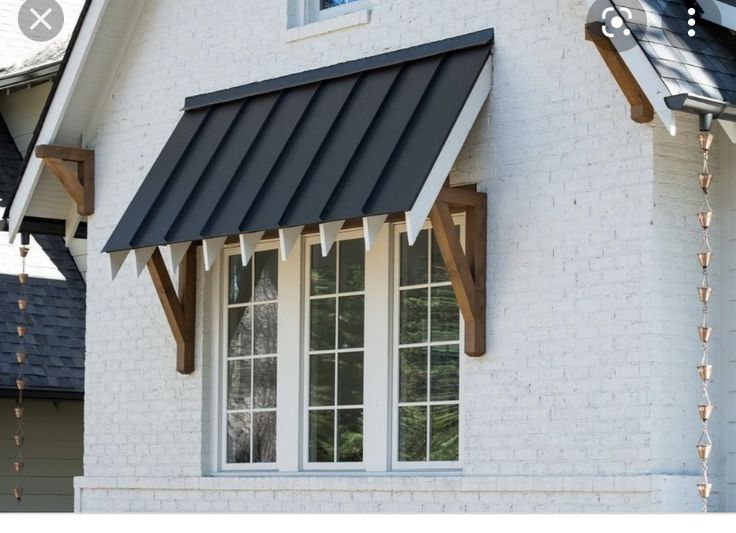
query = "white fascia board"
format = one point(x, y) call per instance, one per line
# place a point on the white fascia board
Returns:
point(52, 123)
point(371, 228)
point(142, 255)
point(174, 253)
point(288, 237)
point(116, 262)
point(651, 84)
point(719, 13)
point(419, 212)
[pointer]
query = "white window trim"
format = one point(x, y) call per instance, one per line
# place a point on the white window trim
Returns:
point(223, 359)
point(380, 434)
point(312, 12)
point(309, 241)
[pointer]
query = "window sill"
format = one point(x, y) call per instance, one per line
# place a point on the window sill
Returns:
point(357, 18)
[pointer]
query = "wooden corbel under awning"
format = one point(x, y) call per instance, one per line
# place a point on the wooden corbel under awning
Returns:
point(466, 269)
point(642, 110)
point(179, 308)
point(79, 183)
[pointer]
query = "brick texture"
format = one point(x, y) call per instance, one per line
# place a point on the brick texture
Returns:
point(586, 398)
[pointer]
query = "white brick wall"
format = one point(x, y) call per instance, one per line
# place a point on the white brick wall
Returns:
point(585, 400)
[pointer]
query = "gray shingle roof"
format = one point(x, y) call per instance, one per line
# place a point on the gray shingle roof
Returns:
point(704, 65)
point(56, 308)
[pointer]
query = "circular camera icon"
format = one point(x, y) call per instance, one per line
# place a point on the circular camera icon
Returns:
point(618, 23)
point(698, 15)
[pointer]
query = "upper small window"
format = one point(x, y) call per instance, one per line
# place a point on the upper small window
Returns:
point(322, 9)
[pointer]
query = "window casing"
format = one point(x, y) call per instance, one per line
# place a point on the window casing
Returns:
point(379, 403)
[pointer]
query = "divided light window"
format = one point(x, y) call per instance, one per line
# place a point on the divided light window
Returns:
point(366, 349)
point(336, 353)
point(250, 392)
point(428, 365)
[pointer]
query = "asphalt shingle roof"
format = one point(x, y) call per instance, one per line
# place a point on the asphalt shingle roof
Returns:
point(56, 308)
point(704, 65)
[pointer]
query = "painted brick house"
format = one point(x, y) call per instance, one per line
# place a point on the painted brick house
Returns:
point(425, 258)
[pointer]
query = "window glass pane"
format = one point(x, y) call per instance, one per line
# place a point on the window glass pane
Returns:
point(322, 380)
point(239, 330)
point(238, 438)
point(238, 384)
point(324, 271)
point(445, 371)
point(266, 275)
point(439, 271)
point(413, 316)
point(413, 433)
point(240, 281)
point(350, 379)
point(444, 430)
point(414, 260)
point(322, 324)
point(264, 383)
point(350, 333)
point(445, 315)
point(327, 4)
point(350, 435)
point(413, 375)
point(321, 436)
point(265, 318)
point(352, 265)
point(264, 437)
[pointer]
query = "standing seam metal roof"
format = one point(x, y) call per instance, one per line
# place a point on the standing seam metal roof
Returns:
point(350, 140)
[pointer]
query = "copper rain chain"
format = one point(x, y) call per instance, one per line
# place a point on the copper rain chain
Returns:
point(705, 291)
point(20, 359)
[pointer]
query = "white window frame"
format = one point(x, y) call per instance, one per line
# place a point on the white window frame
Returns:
point(396, 465)
point(380, 362)
point(222, 336)
point(312, 12)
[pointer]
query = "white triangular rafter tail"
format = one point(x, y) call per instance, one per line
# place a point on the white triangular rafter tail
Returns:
point(371, 228)
point(211, 248)
point(142, 255)
point(174, 253)
point(288, 237)
point(443, 165)
point(116, 262)
point(328, 234)
point(248, 243)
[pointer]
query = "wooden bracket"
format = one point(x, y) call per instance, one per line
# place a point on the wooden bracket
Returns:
point(80, 185)
point(641, 108)
point(467, 270)
point(179, 309)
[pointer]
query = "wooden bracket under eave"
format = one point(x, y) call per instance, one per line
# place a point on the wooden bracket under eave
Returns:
point(641, 108)
point(179, 308)
point(80, 185)
point(466, 269)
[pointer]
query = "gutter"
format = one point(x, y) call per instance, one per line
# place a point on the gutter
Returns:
point(707, 108)
point(33, 76)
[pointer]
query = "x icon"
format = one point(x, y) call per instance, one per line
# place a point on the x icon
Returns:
point(40, 19)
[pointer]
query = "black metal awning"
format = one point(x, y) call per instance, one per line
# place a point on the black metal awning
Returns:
point(357, 139)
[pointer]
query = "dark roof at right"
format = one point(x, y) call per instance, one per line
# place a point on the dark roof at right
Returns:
point(704, 65)
point(56, 309)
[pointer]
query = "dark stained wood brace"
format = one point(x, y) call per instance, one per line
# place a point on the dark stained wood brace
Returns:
point(80, 185)
point(466, 269)
point(641, 108)
point(179, 309)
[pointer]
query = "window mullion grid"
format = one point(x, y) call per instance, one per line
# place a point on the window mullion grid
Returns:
point(429, 340)
point(337, 345)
